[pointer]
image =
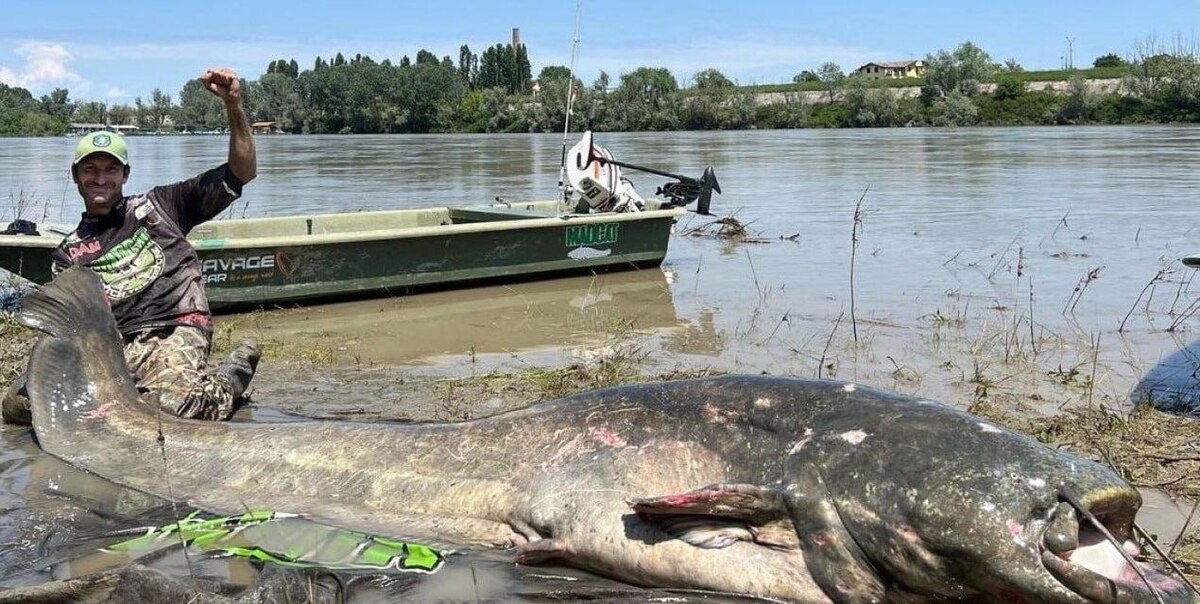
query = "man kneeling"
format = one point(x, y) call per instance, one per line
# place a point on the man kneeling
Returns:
point(152, 277)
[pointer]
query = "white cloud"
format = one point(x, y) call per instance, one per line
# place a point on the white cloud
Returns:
point(116, 93)
point(46, 64)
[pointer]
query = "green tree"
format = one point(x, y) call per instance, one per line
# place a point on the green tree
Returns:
point(430, 87)
point(1168, 79)
point(1078, 103)
point(161, 107)
point(954, 109)
point(92, 112)
point(277, 99)
point(712, 79)
point(37, 123)
point(153, 115)
point(552, 80)
point(646, 85)
point(553, 72)
point(806, 76)
point(1109, 60)
point(503, 113)
point(645, 99)
point(831, 77)
point(1008, 87)
point(601, 83)
point(468, 65)
point(424, 57)
point(714, 103)
point(14, 103)
point(57, 105)
point(793, 112)
point(122, 115)
point(870, 107)
point(198, 108)
point(960, 71)
point(502, 65)
point(284, 67)
point(523, 68)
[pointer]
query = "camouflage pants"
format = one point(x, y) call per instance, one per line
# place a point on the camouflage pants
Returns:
point(171, 365)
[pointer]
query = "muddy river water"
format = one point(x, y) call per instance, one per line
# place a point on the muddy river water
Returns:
point(1040, 264)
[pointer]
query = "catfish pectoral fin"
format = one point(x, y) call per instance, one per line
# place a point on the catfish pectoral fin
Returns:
point(729, 500)
point(721, 514)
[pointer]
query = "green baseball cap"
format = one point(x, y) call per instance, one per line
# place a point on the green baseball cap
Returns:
point(102, 142)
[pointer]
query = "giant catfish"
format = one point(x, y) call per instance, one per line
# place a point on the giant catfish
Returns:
point(793, 489)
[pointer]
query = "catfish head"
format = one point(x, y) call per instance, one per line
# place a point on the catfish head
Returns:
point(932, 504)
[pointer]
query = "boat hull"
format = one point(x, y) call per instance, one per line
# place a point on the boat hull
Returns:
point(274, 261)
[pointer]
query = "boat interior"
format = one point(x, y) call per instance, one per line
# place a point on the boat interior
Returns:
point(356, 222)
point(389, 220)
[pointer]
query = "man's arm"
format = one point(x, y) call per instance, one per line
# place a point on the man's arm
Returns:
point(243, 161)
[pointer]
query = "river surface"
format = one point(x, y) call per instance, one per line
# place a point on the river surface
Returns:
point(1027, 261)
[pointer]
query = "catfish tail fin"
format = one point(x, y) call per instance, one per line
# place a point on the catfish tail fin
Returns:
point(72, 302)
point(77, 373)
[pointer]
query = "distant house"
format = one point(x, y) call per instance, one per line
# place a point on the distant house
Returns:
point(893, 69)
point(84, 128)
point(265, 128)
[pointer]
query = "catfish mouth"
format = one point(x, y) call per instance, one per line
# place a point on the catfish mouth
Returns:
point(1088, 547)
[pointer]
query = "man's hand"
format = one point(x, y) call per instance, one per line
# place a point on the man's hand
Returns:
point(224, 83)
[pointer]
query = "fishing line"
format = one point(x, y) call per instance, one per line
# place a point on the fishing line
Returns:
point(1175, 567)
point(562, 166)
point(1070, 498)
point(162, 450)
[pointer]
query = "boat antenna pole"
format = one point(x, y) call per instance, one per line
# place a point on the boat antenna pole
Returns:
point(562, 165)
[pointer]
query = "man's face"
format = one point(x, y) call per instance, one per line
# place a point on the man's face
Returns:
point(100, 177)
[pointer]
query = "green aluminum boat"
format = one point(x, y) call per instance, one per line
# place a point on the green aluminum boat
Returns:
point(599, 224)
point(273, 261)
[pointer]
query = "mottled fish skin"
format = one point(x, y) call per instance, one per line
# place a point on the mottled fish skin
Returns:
point(800, 490)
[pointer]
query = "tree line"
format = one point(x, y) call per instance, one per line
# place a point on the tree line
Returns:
point(495, 92)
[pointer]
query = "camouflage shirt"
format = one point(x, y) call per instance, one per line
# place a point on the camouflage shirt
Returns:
point(150, 272)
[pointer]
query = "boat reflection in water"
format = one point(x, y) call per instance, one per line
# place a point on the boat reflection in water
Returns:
point(557, 313)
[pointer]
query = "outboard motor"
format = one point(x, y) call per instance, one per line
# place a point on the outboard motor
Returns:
point(597, 176)
point(593, 173)
point(686, 190)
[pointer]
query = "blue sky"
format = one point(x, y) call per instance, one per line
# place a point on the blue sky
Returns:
point(118, 50)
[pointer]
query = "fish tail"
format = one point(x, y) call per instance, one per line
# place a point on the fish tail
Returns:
point(77, 371)
point(73, 302)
